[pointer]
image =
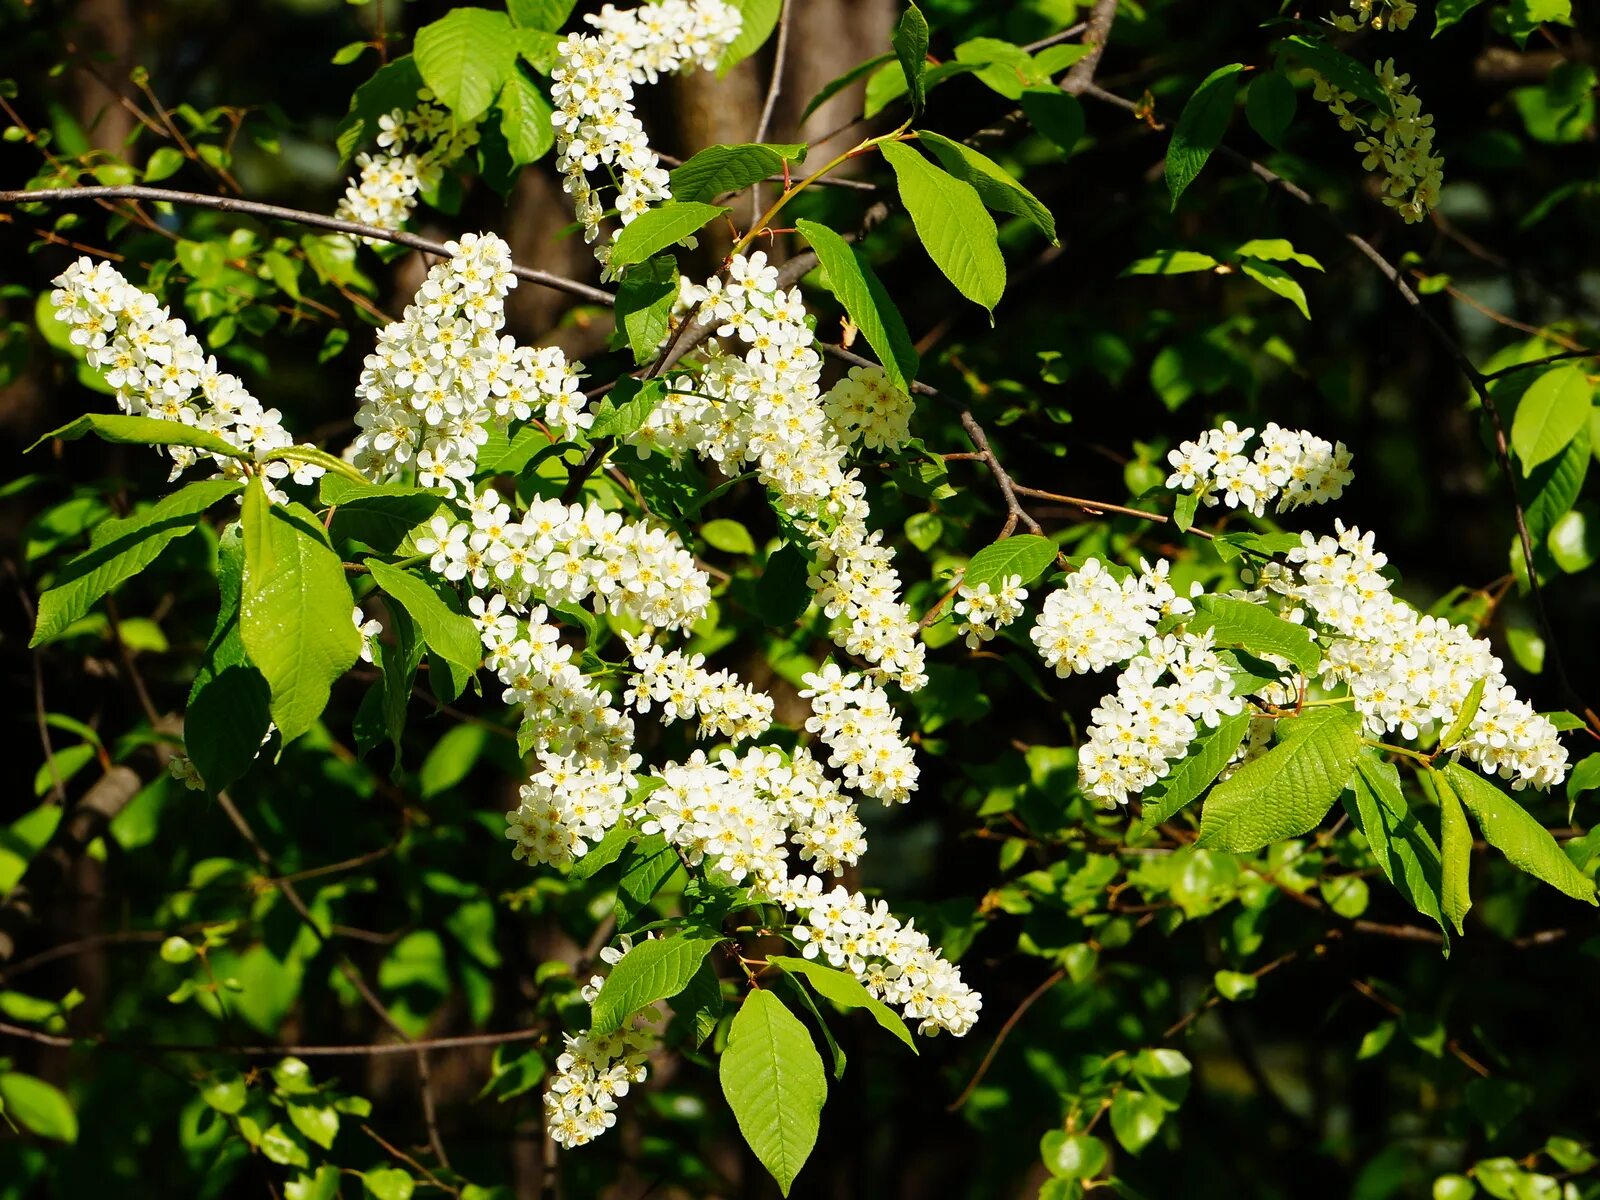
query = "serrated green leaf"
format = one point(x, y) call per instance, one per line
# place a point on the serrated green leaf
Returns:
point(525, 119)
point(1551, 413)
point(377, 515)
point(1509, 828)
point(952, 224)
point(757, 19)
point(294, 611)
point(775, 1085)
point(720, 169)
point(649, 863)
point(1455, 843)
point(700, 1003)
point(142, 431)
point(1269, 106)
point(1200, 128)
point(1192, 773)
point(119, 550)
point(549, 15)
point(1024, 554)
point(1288, 790)
point(867, 302)
point(1170, 262)
point(1277, 281)
point(1251, 627)
point(653, 970)
point(845, 991)
point(391, 87)
point(39, 1107)
point(626, 407)
point(911, 48)
point(662, 226)
point(447, 633)
point(1402, 847)
point(229, 709)
point(465, 57)
point(991, 181)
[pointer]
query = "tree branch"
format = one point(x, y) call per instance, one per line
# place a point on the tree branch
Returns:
point(277, 212)
point(356, 1050)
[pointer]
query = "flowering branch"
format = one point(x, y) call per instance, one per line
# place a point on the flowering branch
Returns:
point(278, 212)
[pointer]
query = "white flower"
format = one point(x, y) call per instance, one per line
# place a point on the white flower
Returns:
point(1293, 467)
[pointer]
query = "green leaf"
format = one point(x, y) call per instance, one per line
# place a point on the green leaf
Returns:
point(1508, 827)
point(388, 1183)
point(226, 1092)
point(1339, 69)
point(991, 181)
point(294, 610)
point(1269, 105)
point(1171, 262)
point(644, 305)
point(854, 75)
point(318, 1122)
point(773, 1079)
point(1276, 250)
point(1251, 627)
point(1200, 128)
point(142, 431)
point(603, 853)
point(525, 119)
point(1184, 509)
point(1192, 773)
point(465, 57)
point(728, 536)
point(1401, 846)
point(653, 970)
point(665, 225)
point(781, 593)
point(452, 758)
point(1057, 116)
point(1233, 985)
point(391, 87)
point(845, 991)
point(1455, 840)
point(1024, 554)
point(1288, 790)
point(1550, 415)
point(1136, 1117)
point(911, 48)
point(851, 278)
point(119, 550)
point(700, 1004)
point(549, 15)
point(38, 1107)
point(164, 162)
point(1277, 281)
point(626, 408)
point(717, 170)
point(377, 515)
point(952, 223)
point(1072, 1155)
point(758, 18)
point(229, 709)
point(447, 633)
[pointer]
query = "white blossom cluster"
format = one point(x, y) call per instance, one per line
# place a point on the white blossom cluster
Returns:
point(592, 89)
point(1141, 728)
point(1292, 466)
point(866, 409)
point(595, 1070)
point(681, 686)
point(764, 407)
point(159, 369)
point(1411, 673)
point(442, 375)
point(894, 961)
point(855, 720)
point(982, 611)
point(413, 150)
point(1399, 143)
point(1375, 14)
point(1095, 620)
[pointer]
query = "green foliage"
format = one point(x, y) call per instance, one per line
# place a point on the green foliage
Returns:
point(773, 1080)
point(1200, 128)
point(952, 225)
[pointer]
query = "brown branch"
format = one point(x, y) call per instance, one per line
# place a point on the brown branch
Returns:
point(1028, 1002)
point(354, 1050)
point(277, 212)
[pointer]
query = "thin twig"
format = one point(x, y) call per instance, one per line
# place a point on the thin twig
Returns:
point(1028, 1001)
point(354, 1050)
point(277, 212)
point(774, 87)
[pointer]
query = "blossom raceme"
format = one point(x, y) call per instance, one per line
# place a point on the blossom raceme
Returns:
point(1396, 141)
point(866, 409)
point(1097, 619)
point(159, 369)
point(414, 148)
point(1290, 466)
point(982, 611)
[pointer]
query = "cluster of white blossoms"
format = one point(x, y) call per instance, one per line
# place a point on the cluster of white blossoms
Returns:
point(569, 554)
point(442, 376)
point(760, 403)
point(1292, 466)
point(1138, 730)
point(1375, 14)
point(681, 686)
point(594, 1071)
point(413, 150)
point(1399, 142)
point(855, 720)
point(1096, 619)
point(159, 369)
point(982, 611)
point(894, 961)
point(865, 408)
point(592, 89)
point(1410, 673)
